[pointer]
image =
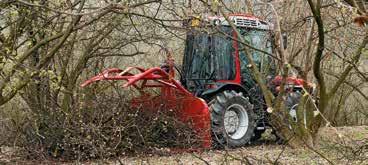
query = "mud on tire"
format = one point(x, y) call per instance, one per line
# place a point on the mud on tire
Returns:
point(232, 119)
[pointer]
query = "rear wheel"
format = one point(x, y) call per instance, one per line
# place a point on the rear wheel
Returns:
point(232, 119)
point(291, 103)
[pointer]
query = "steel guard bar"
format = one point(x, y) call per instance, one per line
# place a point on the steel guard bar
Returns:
point(156, 74)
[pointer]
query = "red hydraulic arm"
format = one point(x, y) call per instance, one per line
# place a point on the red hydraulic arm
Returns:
point(189, 109)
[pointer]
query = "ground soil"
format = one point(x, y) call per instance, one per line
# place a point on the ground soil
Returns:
point(342, 145)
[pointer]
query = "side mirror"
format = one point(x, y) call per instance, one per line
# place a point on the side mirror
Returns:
point(284, 40)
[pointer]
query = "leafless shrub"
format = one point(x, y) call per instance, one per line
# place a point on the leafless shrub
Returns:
point(348, 144)
point(103, 125)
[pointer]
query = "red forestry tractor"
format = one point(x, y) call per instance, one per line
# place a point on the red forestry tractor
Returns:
point(216, 93)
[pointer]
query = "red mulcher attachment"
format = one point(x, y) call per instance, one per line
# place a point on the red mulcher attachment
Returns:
point(174, 97)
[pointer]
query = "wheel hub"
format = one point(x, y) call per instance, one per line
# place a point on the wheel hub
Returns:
point(232, 121)
point(236, 121)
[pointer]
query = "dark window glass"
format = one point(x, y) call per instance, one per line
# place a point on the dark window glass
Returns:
point(224, 54)
point(260, 40)
point(209, 55)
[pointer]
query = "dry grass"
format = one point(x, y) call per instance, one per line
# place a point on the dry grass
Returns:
point(261, 153)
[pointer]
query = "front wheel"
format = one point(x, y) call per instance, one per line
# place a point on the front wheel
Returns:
point(232, 119)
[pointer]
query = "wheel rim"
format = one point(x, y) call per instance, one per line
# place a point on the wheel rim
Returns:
point(292, 112)
point(236, 121)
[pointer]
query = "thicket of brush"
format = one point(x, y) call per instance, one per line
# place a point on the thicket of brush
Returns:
point(104, 127)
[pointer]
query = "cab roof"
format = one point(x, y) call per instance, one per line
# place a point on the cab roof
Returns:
point(242, 20)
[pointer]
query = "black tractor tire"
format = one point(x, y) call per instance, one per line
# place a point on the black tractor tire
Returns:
point(233, 120)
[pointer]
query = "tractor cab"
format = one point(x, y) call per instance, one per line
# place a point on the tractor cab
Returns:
point(213, 55)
